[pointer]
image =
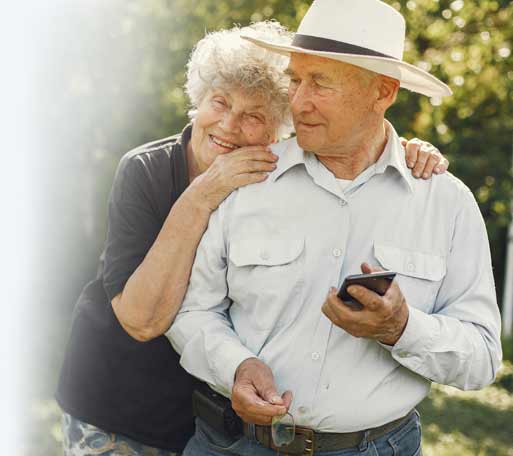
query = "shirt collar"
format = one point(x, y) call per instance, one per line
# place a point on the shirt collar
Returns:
point(290, 155)
point(393, 156)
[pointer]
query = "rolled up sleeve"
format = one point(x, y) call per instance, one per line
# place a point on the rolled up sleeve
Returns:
point(459, 343)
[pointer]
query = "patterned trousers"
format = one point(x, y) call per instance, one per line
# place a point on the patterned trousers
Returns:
point(82, 439)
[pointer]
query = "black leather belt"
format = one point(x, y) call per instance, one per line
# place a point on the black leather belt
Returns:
point(307, 441)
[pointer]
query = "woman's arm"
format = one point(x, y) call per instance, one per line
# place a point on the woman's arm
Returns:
point(153, 294)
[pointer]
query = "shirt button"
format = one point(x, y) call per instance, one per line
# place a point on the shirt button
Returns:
point(403, 354)
point(264, 254)
point(410, 267)
point(342, 202)
point(315, 356)
point(302, 409)
point(337, 252)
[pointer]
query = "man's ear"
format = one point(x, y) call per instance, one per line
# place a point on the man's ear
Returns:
point(387, 89)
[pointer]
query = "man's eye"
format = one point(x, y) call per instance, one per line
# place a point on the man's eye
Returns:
point(322, 85)
point(218, 102)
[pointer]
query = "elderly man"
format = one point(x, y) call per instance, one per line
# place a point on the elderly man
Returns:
point(261, 321)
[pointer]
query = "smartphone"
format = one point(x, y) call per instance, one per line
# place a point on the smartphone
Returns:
point(375, 281)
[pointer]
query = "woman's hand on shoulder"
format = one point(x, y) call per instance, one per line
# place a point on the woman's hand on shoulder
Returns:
point(423, 158)
point(244, 166)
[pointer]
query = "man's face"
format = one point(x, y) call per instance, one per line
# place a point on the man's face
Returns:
point(227, 120)
point(330, 101)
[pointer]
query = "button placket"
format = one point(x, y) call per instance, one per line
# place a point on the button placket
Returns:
point(315, 353)
point(308, 389)
point(409, 264)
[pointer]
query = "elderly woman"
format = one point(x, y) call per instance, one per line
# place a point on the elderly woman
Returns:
point(121, 388)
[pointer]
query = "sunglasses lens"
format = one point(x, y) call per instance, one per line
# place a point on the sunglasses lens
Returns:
point(283, 429)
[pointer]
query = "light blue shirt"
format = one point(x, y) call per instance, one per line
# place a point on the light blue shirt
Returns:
point(272, 251)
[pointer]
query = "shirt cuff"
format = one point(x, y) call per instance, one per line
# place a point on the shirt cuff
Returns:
point(418, 336)
point(227, 360)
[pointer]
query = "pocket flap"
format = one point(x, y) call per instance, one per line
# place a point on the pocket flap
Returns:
point(410, 262)
point(267, 252)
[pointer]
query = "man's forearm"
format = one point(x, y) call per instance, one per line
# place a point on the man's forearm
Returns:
point(448, 351)
point(154, 293)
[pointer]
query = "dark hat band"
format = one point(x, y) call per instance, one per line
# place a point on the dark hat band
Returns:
point(314, 43)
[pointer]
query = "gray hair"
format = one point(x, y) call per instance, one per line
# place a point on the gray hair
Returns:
point(224, 60)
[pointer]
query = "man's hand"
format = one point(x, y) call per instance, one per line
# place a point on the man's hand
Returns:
point(382, 318)
point(254, 395)
point(423, 158)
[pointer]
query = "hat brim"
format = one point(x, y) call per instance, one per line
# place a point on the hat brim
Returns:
point(409, 76)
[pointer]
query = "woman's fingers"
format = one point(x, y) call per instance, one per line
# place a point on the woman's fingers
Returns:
point(412, 149)
point(442, 166)
point(254, 166)
point(424, 159)
point(432, 161)
point(241, 180)
point(262, 153)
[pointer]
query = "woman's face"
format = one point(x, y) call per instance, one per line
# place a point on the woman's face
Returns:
point(227, 120)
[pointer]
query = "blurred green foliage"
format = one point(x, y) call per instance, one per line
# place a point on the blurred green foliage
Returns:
point(110, 76)
point(469, 423)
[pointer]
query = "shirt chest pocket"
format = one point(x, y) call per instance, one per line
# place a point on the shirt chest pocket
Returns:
point(265, 281)
point(419, 274)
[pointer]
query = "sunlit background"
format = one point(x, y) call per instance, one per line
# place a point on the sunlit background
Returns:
point(84, 81)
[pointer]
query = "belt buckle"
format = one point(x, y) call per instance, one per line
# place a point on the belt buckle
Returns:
point(309, 439)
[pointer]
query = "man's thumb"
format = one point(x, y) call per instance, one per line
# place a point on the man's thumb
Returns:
point(264, 384)
point(287, 398)
point(367, 269)
point(269, 393)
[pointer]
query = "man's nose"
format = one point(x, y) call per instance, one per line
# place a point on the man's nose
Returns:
point(301, 98)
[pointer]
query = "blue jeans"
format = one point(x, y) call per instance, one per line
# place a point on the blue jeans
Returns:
point(402, 441)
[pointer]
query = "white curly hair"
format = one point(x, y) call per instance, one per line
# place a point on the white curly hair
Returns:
point(224, 60)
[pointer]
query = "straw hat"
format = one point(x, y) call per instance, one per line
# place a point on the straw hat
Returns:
point(366, 33)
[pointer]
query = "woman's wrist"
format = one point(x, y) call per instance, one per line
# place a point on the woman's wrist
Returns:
point(197, 196)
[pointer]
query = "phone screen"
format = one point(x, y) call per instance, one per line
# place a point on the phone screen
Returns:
point(379, 282)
